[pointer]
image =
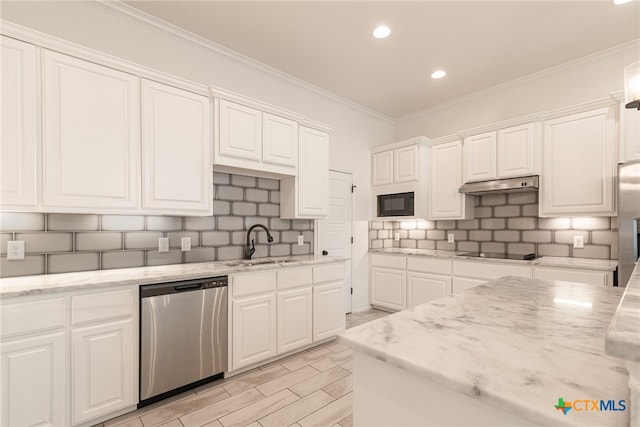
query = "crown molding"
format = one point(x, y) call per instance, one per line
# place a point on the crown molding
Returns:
point(445, 139)
point(533, 76)
point(177, 33)
point(42, 40)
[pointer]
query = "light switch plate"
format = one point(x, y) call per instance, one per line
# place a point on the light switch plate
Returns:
point(186, 244)
point(451, 238)
point(300, 240)
point(15, 250)
point(578, 242)
point(396, 237)
point(163, 244)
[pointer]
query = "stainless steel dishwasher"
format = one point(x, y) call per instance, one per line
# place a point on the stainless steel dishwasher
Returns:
point(183, 336)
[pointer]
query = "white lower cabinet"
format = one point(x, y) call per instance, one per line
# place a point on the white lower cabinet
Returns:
point(254, 330)
point(388, 288)
point(102, 367)
point(467, 274)
point(34, 380)
point(94, 333)
point(422, 288)
point(295, 326)
point(328, 313)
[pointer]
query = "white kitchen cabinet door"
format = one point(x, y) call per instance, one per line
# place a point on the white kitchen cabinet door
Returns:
point(295, 319)
point(34, 378)
point(629, 134)
point(388, 288)
point(382, 168)
point(254, 330)
point(18, 150)
point(328, 311)
point(239, 132)
point(91, 136)
point(592, 277)
point(516, 151)
point(313, 173)
point(578, 164)
point(445, 178)
point(405, 164)
point(480, 157)
point(280, 141)
point(176, 148)
point(422, 288)
point(103, 379)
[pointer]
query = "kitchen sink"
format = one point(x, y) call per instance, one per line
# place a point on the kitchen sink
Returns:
point(250, 262)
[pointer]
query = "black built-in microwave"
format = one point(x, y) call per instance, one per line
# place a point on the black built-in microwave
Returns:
point(397, 204)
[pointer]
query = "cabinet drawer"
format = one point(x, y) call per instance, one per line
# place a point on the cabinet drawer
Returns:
point(294, 277)
point(328, 273)
point(389, 261)
point(593, 277)
point(486, 270)
point(102, 306)
point(429, 265)
point(253, 283)
point(33, 316)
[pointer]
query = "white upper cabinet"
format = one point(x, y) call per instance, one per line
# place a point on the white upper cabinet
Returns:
point(382, 167)
point(176, 147)
point(445, 178)
point(280, 141)
point(505, 153)
point(516, 151)
point(253, 140)
point(91, 136)
point(629, 134)
point(579, 164)
point(398, 163)
point(18, 156)
point(480, 157)
point(239, 133)
point(307, 194)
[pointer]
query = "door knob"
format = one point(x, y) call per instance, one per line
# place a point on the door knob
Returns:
point(325, 253)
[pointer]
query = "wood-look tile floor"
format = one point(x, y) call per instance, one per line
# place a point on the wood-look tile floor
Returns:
point(310, 388)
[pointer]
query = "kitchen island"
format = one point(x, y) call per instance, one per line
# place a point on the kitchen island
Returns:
point(507, 352)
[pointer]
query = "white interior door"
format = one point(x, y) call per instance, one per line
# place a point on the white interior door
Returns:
point(335, 232)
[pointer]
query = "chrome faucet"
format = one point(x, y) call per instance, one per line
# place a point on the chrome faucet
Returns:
point(250, 248)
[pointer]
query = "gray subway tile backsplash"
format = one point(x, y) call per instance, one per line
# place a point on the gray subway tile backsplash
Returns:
point(57, 243)
point(504, 223)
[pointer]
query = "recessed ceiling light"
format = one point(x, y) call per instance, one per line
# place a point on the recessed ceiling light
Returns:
point(621, 1)
point(438, 74)
point(381, 32)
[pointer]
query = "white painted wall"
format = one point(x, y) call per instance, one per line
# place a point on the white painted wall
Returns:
point(105, 30)
point(585, 80)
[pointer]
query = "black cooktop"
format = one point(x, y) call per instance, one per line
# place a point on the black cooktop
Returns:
point(497, 255)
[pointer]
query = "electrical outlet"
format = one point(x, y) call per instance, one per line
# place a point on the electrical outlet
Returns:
point(396, 237)
point(15, 249)
point(578, 242)
point(451, 238)
point(163, 244)
point(186, 244)
point(300, 240)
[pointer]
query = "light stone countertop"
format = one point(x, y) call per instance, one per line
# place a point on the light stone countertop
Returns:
point(623, 336)
point(513, 343)
point(48, 283)
point(547, 261)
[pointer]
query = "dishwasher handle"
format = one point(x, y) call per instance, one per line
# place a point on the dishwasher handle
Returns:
point(158, 289)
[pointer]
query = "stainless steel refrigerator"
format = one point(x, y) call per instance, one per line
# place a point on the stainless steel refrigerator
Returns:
point(628, 219)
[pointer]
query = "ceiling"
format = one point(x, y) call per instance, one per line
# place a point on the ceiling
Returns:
point(479, 43)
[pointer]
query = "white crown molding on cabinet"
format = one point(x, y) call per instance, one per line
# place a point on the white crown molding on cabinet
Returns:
point(49, 42)
point(180, 34)
point(502, 124)
point(444, 139)
point(521, 80)
point(579, 108)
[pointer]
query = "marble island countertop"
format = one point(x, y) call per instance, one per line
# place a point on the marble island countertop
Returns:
point(30, 285)
point(623, 336)
point(548, 261)
point(513, 343)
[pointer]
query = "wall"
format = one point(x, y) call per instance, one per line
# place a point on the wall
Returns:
point(581, 81)
point(130, 37)
point(62, 243)
point(504, 224)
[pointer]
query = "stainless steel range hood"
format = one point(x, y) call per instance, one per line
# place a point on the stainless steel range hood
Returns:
point(509, 185)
